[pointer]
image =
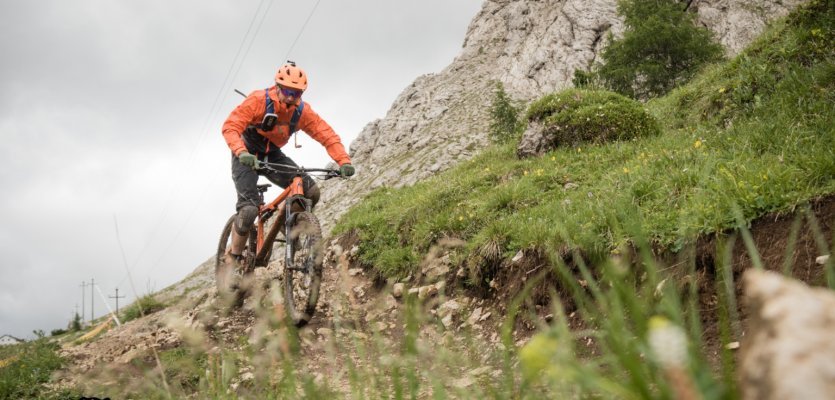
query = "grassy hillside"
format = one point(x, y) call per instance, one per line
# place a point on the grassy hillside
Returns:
point(747, 137)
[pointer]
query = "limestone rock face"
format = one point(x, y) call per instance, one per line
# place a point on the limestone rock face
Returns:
point(533, 48)
point(736, 23)
point(788, 351)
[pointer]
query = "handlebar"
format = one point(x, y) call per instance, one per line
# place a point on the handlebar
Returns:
point(325, 173)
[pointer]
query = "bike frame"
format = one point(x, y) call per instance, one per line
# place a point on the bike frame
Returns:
point(292, 194)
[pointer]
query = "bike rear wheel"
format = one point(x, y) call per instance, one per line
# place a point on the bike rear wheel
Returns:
point(303, 268)
point(227, 280)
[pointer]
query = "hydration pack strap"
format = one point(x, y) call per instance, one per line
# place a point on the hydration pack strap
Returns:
point(270, 106)
point(296, 115)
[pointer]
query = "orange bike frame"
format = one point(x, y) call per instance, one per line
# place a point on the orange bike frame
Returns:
point(296, 188)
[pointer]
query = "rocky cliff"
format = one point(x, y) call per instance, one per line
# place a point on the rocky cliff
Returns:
point(532, 47)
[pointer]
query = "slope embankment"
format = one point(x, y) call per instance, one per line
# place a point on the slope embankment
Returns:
point(434, 287)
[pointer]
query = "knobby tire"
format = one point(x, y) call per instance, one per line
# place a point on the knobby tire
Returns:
point(304, 249)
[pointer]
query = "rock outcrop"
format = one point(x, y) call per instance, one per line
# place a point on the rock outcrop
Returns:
point(736, 23)
point(788, 351)
point(532, 47)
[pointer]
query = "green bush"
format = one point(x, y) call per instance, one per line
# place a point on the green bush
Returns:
point(57, 332)
point(576, 116)
point(585, 79)
point(661, 48)
point(29, 367)
point(144, 305)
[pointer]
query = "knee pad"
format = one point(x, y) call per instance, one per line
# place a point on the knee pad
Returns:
point(313, 194)
point(246, 216)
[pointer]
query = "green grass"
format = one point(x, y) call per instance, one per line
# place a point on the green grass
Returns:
point(26, 367)
point(145, 305)
point(751, 136)
point(745, 138)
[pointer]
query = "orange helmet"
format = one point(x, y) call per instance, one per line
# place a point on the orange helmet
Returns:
point(291, 76)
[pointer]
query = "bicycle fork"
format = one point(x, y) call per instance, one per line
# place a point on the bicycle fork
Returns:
point(289, 216)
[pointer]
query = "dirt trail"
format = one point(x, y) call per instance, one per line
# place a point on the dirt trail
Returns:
point(361, 325)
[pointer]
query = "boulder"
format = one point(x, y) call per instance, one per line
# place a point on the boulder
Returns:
point(788, 351)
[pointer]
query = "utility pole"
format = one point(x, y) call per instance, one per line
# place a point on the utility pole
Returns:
point(92, 297)
point(117, 297)
point(83, 286)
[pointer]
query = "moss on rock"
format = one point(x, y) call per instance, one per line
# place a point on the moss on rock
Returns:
point(577, 116)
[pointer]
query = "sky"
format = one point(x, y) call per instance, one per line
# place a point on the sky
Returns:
point(112, 164)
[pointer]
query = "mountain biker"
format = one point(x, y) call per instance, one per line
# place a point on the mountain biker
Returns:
point(257, 129)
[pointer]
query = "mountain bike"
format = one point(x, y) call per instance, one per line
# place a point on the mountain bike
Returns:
point(290, 212)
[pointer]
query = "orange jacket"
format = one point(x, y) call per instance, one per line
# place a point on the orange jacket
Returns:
point(252, 111)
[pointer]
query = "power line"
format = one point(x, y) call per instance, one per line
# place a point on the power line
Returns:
point(212, 111)
point(223, 92)
point(125, 262)
point(258, 29)
point(173, 241)
point(240, 65)
point(309, 16)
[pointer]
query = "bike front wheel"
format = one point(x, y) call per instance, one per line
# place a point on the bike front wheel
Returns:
point(303, 268)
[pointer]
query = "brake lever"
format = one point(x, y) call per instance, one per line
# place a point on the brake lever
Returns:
point(332, 174)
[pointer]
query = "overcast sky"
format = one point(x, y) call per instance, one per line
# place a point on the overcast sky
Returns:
point(110, 115)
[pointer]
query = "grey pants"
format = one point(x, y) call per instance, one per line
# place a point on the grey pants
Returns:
point(246, 182)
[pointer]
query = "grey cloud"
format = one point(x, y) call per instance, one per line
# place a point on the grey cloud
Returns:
point(106, 110)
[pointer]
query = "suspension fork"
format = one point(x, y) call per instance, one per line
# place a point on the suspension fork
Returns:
point(296, 196)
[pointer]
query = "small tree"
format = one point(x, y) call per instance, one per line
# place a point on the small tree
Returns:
point(75, 325)
point(504, 116)
point(661, 48)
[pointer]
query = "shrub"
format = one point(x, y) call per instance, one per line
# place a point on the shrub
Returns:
point(574, 116)
point(582, 79)
point(143, 306)
point(57, 332)
point(661, 48)
point(29, 368)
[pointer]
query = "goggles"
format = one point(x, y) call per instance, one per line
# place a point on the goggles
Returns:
point(291, 92)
